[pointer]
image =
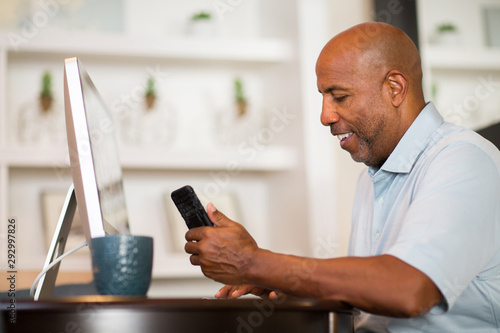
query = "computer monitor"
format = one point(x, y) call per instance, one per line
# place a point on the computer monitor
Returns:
point(93, 152)
point(96, 171)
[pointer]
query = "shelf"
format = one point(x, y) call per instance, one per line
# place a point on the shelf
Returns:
point(175, 265)
point(265, 158)
point(34, 157)
point(190, 48)
point(171, 265)
point(270, 158)
point(462, 59)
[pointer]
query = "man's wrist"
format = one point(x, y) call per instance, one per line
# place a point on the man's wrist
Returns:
point(253, 270)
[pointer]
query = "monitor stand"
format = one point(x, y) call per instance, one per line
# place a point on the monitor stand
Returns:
point(47, 282)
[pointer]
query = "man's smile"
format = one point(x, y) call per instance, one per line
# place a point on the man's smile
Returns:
point(344, 136)
point(345, 139)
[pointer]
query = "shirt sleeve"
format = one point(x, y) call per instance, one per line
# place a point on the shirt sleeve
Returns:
point(452, 228)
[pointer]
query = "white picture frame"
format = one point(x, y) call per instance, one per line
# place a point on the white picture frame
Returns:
point(52, 202)
point(491, 15)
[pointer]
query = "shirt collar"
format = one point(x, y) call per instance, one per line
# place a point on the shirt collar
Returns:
point(413, 142)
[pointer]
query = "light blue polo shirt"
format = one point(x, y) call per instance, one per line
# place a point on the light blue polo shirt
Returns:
point(435, 204)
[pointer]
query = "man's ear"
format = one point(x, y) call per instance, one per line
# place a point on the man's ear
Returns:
point(398, 87)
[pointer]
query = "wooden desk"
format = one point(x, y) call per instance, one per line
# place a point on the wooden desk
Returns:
point(95, 314)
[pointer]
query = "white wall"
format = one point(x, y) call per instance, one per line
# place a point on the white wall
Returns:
point(331, 173)
point(348, 171)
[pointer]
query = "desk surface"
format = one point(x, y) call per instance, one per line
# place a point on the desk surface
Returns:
point(95, 314)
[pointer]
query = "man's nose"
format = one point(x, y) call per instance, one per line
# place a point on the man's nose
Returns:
point(329, 114)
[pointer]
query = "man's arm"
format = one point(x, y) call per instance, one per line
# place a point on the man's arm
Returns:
point(381, 284)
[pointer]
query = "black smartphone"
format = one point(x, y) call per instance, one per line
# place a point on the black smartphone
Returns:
point(190, 207)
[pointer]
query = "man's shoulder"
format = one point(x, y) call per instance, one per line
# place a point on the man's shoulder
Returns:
point(465, 142)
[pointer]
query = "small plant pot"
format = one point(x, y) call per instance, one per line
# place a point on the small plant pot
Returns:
point(150, 101)
point(201, 28)
point(448, 38)
point(241, 108)
point(46, 103)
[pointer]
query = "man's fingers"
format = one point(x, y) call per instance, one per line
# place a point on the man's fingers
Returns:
point(230, 291)
point(191, 248)
point(195, 260)
point(274, 295)
point(240, 291)
point(224, 291)
point(195, 234)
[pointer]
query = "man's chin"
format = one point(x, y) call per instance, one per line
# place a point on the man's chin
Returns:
point(357, 158)
point(361, 159)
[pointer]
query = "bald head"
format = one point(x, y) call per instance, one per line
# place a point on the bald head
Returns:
point(373, 49)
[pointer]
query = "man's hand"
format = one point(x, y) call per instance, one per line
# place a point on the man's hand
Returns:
point(224, 252)
point(238, 291)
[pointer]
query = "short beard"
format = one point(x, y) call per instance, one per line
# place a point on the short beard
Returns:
point(366, 145)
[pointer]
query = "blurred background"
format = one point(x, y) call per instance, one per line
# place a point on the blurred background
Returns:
point(217, 94)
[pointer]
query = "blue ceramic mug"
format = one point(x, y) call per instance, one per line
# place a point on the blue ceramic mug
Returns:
point(122, 264)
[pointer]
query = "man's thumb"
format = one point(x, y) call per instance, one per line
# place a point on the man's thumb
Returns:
point(216, 216)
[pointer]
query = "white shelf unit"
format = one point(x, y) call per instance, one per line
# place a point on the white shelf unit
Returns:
point(265, 50)
point(462, 58)
point(20, 165)
point(272, 158)
point(461, 78)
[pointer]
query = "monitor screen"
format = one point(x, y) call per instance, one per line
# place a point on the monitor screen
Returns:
point(96, 169)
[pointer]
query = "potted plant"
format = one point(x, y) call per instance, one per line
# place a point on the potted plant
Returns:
point(150, 95)
point(240, 99)
point(201, 24)
point(46, 96)
point(447, 34)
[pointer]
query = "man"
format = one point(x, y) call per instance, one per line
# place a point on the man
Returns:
point(425, 243)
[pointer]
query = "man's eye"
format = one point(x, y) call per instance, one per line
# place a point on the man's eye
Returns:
point(339, 98)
